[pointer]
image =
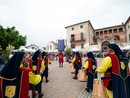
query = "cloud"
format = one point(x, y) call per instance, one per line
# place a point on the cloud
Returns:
point(45, 20)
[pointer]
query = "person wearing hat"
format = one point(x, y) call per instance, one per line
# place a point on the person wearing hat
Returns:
point(46, 63)
point(38, 68)
point(90, 65)
point(15, 79)
point(116, 73)
point(77, 62)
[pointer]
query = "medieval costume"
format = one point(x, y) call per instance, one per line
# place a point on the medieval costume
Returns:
point(90, 65)
point(38, 68)
point(73, 54)
point(14, 80)
point(61, 59)
point(46, 63)
point(77, 62)
point(116, 72)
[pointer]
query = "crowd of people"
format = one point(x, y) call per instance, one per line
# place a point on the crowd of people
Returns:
point(115, 68)
point(24, 72)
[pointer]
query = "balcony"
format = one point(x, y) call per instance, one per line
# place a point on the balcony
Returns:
point(77, 39)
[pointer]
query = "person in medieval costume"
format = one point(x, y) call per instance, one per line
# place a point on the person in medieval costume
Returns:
point(90, 66)
point(116, 73)
point(15, 79)
point(38, 68)
point(61, 59)
point(46, 63)
point(77, 62)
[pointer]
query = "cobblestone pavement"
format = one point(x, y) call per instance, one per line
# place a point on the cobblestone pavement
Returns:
point(61, 84)
point(83, 93)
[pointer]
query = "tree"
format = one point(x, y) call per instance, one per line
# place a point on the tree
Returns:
point(68, 52)
point(11, 36)
point(3, 41)
point(21, 41)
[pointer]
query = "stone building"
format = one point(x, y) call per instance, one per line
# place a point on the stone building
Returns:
point(32, 46)
point(80, 35)
point(83, 35)
point(51, 46)
point(127, 29)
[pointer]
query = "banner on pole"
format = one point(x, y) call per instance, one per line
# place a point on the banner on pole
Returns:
point(61, 45)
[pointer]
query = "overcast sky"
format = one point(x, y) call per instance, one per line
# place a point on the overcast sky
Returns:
point(45, 20)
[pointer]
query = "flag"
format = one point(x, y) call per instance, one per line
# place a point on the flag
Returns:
point(61, 45)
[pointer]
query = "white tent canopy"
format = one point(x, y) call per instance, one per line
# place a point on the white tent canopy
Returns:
point(73, 49)
point(78, 48)
point(94, 49)
point(126, 47)
point(56, 50)
point(30, 50)
point(22, 48)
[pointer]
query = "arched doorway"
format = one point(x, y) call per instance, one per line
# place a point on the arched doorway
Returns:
point(104, 46)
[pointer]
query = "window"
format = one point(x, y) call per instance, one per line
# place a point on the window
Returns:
point(116, 37)
point(101, 33)
point(82, 45)
point(105, 32)
point(81, 26)
point(115, 30)
point(120, 29)
point(82, 35)
point(110, 31)
point(72, 37)
point(97, 33)
point(50, 47)
point(72, 45)
point(72, 28)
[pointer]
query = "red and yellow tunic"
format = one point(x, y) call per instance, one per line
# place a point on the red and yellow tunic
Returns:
point(19, 87)
point(116, 76)
point(39, 68)
point(61, 57)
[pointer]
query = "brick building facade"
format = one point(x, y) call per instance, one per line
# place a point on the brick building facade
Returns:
point(83, 35)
